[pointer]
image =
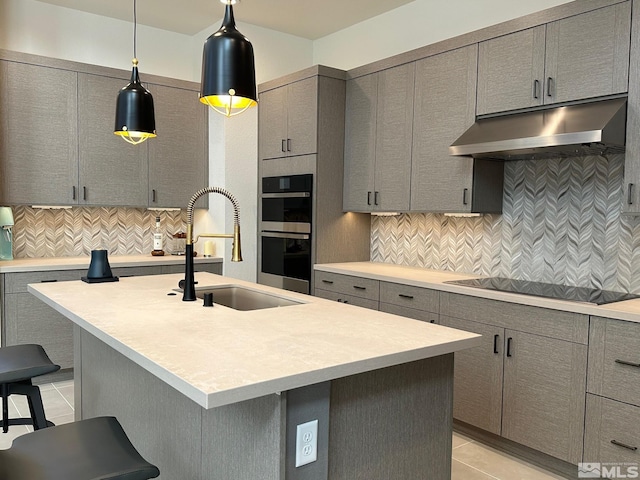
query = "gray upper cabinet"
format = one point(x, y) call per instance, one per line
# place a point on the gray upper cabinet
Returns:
point(38, 134)
point(378, 136)
point(578, 57)
point(288, 120)
point(445, 94)
point(178, 156)
point(111, 171)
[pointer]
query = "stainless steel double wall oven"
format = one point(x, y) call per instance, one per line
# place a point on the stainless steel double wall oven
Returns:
point(285, 232)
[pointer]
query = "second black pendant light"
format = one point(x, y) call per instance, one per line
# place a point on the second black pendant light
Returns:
point(135, 117)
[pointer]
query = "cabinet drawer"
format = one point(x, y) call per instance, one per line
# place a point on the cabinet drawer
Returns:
point(614, 359)
point(348, 299)
point(409, 312)
point(409, 296)
point(17, 282)
point(136, 271)
point(348, 285)
point(572, 327)
point(611, 432)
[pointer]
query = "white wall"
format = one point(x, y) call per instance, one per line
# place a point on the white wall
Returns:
point(415, 25)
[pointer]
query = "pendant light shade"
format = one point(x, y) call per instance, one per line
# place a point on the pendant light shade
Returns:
point(228, 70)
point(135, 117)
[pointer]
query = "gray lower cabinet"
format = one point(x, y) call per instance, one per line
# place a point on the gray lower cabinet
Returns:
point(38, 144)
point(378, 136)
point(444, 108)
point(550, 63)
point(362, 292)
point(27, 319)
point(542, 355)
point(613, 398)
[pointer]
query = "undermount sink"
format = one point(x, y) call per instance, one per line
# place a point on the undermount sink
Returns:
point(241, 298)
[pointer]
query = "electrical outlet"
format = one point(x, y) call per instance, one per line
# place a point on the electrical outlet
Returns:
point(306, 443)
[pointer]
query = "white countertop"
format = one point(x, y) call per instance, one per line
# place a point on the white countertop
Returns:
point(628, 310)
point(217, 356)
point(74, 263)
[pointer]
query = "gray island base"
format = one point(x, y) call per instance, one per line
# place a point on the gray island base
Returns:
point(381, 416)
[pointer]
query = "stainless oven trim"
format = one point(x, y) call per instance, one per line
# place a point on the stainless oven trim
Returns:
point(287, 195)
point(293, 227)
point(295, 236)
point(286, 283)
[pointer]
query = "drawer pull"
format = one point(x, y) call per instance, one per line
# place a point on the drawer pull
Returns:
point(48, 281)
point(330, 282)
point(408, 297)
point(358, 287)
point(509, 346)
point(496, 337)
point(624, 362)
point(624, 445)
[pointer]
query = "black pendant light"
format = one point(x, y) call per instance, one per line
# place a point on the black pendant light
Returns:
point(228, 70)
point(135, 119)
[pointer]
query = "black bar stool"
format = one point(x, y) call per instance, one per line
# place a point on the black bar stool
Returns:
point(97, 448)
point(18, 365)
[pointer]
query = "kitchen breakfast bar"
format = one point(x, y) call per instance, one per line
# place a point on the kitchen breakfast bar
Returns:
point(217, 393)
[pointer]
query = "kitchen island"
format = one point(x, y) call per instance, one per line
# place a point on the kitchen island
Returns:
point(217, 393)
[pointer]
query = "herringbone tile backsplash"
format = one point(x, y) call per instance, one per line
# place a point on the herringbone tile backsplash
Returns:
point(76, 231)
point(561, 223)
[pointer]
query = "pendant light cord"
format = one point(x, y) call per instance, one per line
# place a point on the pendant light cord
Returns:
point(135, 26)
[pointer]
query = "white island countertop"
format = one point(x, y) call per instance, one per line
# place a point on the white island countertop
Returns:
point(218, 356)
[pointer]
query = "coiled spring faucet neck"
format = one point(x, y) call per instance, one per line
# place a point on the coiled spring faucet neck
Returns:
point(189, 293)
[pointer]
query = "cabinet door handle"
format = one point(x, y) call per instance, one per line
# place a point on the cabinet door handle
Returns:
point(631, 364)
point(536, 88)
point(345, 301)
point(464, 196)
point(48, 281)
point(624, 445)
point(549, 84)
point(330, 282)
point(432, 321)
point(73, 192)
point(84, 193)
point(368, 198)
point(496, 337)
point(408, 297)
point(358, 287)
point(288, 144)
point(376, 196)
point(630, 194)
point(153, 195)
point(509, 346)
point(283, 146)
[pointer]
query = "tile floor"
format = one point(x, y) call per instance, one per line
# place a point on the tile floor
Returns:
point(472, 460)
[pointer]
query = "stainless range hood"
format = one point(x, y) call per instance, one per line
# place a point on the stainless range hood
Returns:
point(595, 128)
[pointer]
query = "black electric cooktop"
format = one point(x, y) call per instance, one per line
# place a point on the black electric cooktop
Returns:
point(549, 290)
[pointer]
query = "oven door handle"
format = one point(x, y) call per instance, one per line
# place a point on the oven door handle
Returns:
point(295, 236)
point(287, 195)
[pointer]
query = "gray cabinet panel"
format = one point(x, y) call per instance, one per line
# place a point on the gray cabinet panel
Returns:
point(272, 118)
point(612, 342)
point(477, 398)
point(29, 320)
point(508, 69)
point(410, 296)
point(422, 315)
point(444, 109)
point(302, 118)
point(347, 284)
point(346, 298)
point(544, 394)
point(38, 152)
point(394, 131)
point(111, 171)
point(360, 143)
point(17, 282)
point(588, 55)
point(178, 156)
point(631, 197)
point(608, 425)
point(573, 327)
